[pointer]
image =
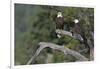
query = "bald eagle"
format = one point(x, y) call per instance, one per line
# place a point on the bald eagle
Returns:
point(77, 30)
point(59, 22)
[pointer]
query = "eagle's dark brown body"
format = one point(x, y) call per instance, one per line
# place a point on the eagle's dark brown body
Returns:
point(77, 29)
point(59, 23)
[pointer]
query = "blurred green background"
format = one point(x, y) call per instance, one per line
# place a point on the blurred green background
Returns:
point(36, 23)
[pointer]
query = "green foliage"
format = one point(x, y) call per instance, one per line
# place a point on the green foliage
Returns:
point(58, 57)
point(35, 23)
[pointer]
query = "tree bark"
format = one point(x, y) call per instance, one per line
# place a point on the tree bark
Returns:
point(57, 47)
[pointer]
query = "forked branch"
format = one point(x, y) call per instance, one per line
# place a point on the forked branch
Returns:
point(57, 47)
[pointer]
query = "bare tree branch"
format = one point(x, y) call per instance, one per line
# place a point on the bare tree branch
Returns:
point(91, 49)
point(63, 49)
point(57, 47)
point(64, 32)
point(75, 36)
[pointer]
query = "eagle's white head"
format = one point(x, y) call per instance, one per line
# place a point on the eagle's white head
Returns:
point(76, 21)
point(59, 14)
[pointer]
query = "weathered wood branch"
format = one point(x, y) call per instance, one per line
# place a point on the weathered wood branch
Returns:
point(64, 32)
point(67, 33)
point(91, 49)
point(66, 51)
point(57, 47)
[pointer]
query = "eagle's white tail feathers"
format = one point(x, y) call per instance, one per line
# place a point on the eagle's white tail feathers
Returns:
point(59, 36)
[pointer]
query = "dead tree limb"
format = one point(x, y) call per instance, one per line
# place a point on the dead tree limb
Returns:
point(57, 47)
point(64, 32)
point(88, 42)
point(75, 36)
